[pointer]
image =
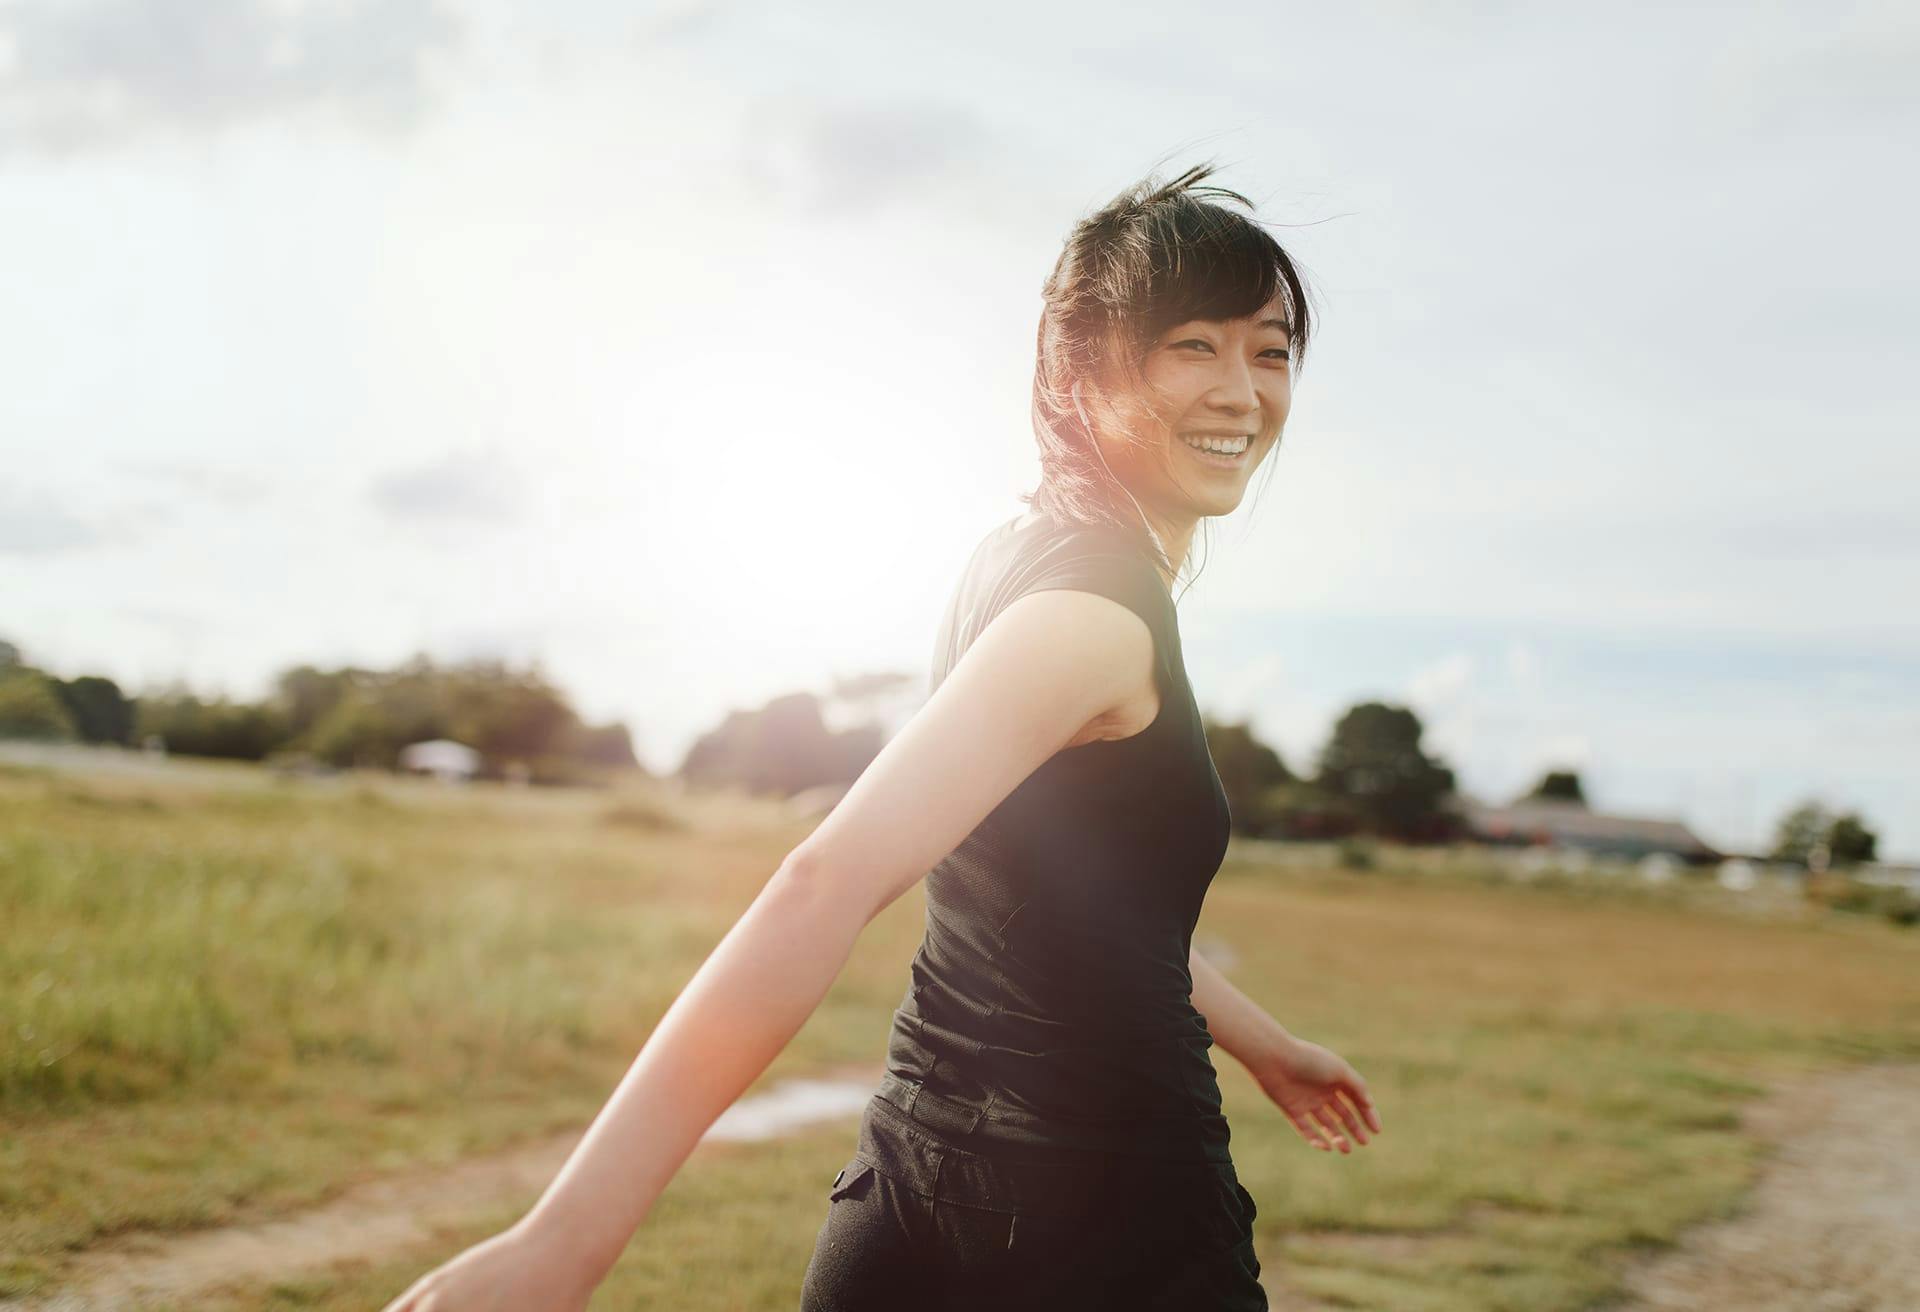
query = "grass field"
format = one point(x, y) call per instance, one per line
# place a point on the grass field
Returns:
point(226, 996)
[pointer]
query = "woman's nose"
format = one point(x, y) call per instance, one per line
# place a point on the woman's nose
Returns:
point(1233, 391)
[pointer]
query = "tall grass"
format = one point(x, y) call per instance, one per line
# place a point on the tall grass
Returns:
point(236, 992)
point(224, 997)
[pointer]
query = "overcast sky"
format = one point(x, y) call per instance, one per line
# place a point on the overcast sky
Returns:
point(686, 349)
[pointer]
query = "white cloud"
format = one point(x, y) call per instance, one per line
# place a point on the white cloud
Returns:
point(92, 73)
point(471, 485)
point(1523, 664)
point(837, 156)
point(34, 525)
point(1442, 684)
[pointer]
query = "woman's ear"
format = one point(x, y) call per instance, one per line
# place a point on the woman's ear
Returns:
point(1123, 411)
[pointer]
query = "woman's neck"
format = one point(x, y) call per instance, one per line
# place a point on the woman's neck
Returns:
point(1176, 538)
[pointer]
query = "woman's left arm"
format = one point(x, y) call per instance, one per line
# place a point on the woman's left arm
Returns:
point(1321, 1094)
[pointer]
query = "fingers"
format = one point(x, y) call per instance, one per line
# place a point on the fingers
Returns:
point(1334, 1123)
point(1309, 1131)
point(1331, 1123)
point(1319, 1129)
point(1351, 1121)
point(1363, 1101)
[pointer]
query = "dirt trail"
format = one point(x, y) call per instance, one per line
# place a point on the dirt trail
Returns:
point(386, 1218)
point(1830, 1226)
point(1833, 1224)
point(371, 1221)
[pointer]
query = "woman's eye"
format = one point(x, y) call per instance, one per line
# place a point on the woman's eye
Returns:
point(1195, 341)
point(1278, 353)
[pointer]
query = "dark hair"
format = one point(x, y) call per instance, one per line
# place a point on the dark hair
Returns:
point(1156, 255)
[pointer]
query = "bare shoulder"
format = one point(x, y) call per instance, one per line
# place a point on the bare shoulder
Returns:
point(1054, 669)
point(1110, 645)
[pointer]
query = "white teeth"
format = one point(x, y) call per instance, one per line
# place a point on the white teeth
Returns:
point(1226, 446)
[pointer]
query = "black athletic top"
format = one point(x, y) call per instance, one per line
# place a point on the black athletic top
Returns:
point(1050, 1003)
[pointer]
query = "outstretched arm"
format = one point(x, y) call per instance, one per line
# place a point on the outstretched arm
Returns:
point(1049, 665)
point(1323, 1096)
point(742, 1007)
point(751, 996)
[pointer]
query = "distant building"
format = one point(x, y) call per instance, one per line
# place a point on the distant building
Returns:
point(1558, 822)
point(1895, 874)
point(442, 758)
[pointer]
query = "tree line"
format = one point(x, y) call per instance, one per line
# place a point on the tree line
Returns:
point(1372, 777)
point(350, 716)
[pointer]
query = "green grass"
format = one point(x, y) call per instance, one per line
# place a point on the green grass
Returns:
point(227, 996)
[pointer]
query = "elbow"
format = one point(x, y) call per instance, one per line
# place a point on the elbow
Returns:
point(797, 865)
point(803, 874)
point(830, 886)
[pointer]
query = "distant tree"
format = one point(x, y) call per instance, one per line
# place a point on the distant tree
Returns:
point(510, 715)
point(606, 744)
point(1799, 831)
point(1304, 811)
point(1374, 760)
point(1249, 771)
point(30, 706)
point(376, 713)
point(781, 748)
point(306, 694)
point(193, 726)
point(370, 725)
point(1561, 784)
point(101, 713)
point(9, 656)
point(1810, 830)
point(1849, 841)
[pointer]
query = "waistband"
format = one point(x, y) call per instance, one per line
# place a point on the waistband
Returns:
point(1062, 1181)
point(982, 1129)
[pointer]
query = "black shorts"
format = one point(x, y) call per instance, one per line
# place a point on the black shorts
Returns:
point(918, 1221)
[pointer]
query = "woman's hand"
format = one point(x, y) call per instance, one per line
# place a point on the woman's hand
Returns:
point(1320, 1093)
point(514, 1271)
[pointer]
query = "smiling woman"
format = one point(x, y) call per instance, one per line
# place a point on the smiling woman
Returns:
point(1049, 1131)
point(1165, 362)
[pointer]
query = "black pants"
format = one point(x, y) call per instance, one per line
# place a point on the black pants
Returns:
point(918, 1222)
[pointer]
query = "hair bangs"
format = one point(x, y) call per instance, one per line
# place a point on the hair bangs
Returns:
point(1194, 260)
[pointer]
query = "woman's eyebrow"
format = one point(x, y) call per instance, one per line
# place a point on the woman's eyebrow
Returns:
point(1281, 324)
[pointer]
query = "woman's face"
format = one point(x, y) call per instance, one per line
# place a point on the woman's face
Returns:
point(1208, 382)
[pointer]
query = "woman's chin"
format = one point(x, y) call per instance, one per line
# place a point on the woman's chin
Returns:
point(1214, 506)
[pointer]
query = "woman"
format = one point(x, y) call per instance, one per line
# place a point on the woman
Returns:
point(1048, 1133)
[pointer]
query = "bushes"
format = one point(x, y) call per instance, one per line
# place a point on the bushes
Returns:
point(30, 707)
point(1840, 892)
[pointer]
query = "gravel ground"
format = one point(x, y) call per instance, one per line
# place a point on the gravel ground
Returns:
point(1833, 1224)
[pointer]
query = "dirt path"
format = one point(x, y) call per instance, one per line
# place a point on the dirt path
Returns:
point(1830, 1227)
point(1833, 1224)
point(386, 1218)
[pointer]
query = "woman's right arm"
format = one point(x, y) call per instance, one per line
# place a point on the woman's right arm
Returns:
point(1046, 667)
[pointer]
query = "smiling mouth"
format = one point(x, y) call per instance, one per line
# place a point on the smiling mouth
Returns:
point(1222, 451)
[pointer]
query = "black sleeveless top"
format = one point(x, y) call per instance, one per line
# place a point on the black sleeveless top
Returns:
point(1050, 1003)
